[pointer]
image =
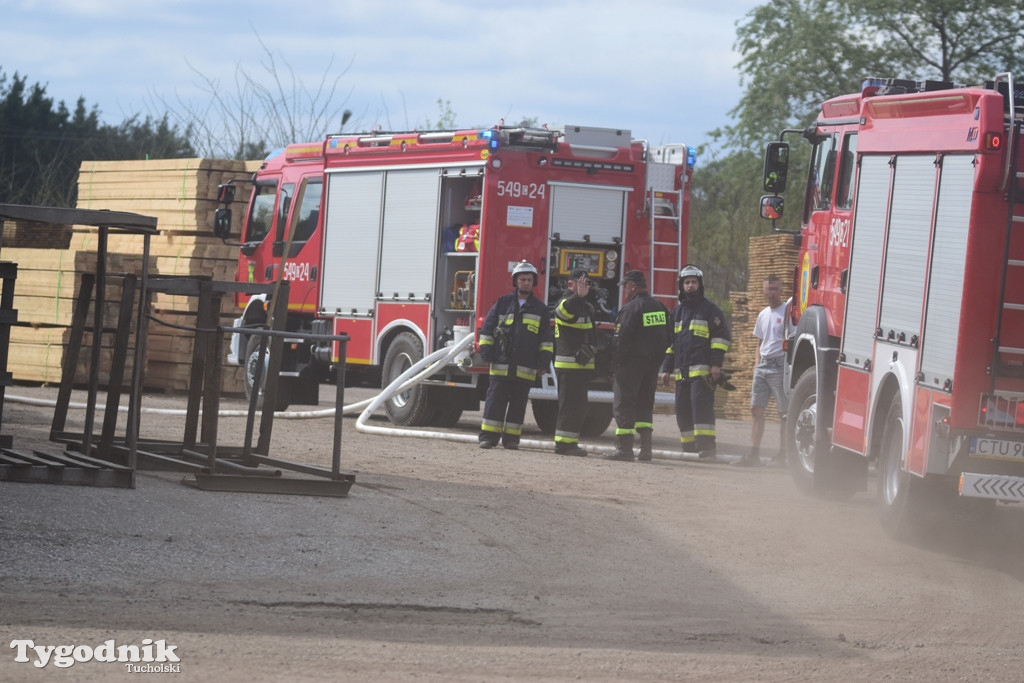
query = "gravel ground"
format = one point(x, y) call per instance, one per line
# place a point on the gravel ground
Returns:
point(449, 563)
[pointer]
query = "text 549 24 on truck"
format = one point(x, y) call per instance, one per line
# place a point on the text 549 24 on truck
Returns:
point(907, 349)
point(403, 241)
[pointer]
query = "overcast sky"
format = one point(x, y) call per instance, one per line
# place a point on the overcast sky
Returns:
point(664, 69)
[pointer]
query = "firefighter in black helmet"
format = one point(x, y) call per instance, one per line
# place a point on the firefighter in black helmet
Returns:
point(516, 339)
point(641, 336)
point(700, 338)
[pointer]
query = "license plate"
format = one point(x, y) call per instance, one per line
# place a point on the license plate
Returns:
point(997, 448)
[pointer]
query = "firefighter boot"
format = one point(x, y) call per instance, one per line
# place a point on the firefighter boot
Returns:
point(646, 451)
point(563, 448)
point(751, 459)
point(623, 448)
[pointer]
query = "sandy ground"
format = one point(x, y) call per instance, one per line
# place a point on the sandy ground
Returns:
point(449, 563)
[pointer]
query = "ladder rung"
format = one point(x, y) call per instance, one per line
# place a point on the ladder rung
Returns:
point(1011, 350)
point(1015, 262)
point(1014, 307)
point(666, 270)
point(666, 244)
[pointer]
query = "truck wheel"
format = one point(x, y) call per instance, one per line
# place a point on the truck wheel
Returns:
point(252, 355)
point(545, 412)
point(801, 424)
point(902, 497)
point(446, 412)
point(599, 416)
point(411, 407)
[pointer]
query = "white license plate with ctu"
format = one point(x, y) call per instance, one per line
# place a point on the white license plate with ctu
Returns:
point(997, 448)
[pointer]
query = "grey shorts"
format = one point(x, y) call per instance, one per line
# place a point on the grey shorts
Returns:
point(768, 378)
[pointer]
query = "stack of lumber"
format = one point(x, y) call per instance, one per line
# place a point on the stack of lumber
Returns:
point(769, 254)
point(45, 294)
point(181, 194)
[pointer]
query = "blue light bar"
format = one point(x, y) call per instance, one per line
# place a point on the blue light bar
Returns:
point(691, 156)
point(491, 136)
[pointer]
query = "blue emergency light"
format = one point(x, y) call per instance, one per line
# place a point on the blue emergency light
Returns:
point(491, 136)
point(691, 156)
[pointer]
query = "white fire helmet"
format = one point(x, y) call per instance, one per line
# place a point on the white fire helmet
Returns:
point(524, 266)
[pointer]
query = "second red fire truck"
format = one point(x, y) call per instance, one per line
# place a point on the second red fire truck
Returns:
point(908, 344)
point(403, 241)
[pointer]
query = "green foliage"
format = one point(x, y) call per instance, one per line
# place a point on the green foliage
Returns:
point(446, 119)
point(42, 145)
point(723, 216)
point(797, 53)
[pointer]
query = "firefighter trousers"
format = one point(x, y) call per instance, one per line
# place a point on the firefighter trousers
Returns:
point(504, 410)
point(572, 404)
point(633, 396)
point(695, 414)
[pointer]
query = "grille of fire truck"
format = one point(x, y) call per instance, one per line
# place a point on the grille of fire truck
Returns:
point(1001, 412)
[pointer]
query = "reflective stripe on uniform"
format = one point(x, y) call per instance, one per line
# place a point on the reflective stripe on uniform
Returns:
point(490, 426)
point(699, 371)
point(569, 363)
point(704, 430)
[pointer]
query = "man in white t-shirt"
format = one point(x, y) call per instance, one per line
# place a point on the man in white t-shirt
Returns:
point(769, 371)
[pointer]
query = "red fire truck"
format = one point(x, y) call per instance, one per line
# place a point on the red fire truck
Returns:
point(404, 240)
point(907, 347)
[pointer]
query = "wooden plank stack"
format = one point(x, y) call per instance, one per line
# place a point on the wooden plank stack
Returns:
point(768, 254)
point(181, 194)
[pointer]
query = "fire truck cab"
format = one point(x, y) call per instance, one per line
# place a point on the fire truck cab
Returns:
point(907, 347)
point(403, 241)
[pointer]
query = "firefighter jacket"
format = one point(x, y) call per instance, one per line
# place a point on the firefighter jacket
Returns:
point(700, 338)
point(574, 333)
point(517, 340)
point(642, 332)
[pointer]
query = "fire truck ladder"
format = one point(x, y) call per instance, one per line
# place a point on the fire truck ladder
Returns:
point(666, 254)
point(1009, 340)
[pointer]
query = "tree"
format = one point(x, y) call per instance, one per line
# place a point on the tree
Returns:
point(796, 54)
point(950, 40)
point(42, 144)
point(261, 113)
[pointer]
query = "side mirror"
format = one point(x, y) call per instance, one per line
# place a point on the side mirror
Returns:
point(776, 166)
point(225, 194)
point(772, 206)
point(222, 222)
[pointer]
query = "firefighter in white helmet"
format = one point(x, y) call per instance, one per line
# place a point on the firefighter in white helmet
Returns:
point(700, 338)
point(517, 340)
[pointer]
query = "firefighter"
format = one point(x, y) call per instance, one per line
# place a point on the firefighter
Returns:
point(642, 334)
point(574, 361)
point(516, 340)
point(700, 338)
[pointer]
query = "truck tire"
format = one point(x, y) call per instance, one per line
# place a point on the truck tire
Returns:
point(599, 416)
point(801, 424)
point(446, 412)
point(410, 408)
point(252, 354)
point(545, 412)
point(904, 500)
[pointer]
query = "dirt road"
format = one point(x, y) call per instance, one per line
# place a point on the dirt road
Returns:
point(449, 563)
